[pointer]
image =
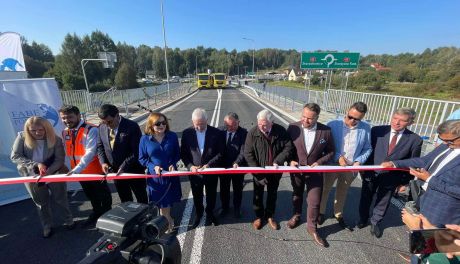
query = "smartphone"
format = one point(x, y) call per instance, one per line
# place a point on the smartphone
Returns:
point(427, 241)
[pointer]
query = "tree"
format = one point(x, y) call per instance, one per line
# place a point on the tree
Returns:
point(126, 77)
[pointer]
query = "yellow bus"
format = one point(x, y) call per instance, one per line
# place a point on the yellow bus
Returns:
point(203, 80)
point(219, 80)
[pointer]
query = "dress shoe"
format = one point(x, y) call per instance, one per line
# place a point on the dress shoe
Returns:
point(90, 221)
point(70, 226)
point(342, 224)
point(293, 222)
point(318, 239)
point(237, 213)
point(273, 224)
point(47, 232)
point(321, 219)
point(197, 221)
point(361, 224)
point(211, 220)
point(376, 230)
point(257, 224)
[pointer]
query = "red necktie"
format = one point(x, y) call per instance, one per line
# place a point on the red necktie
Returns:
point(392, 143)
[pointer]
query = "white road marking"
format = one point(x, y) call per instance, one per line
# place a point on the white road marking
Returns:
point(182, 232)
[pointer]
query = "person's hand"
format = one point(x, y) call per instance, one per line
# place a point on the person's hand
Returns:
point(42, 169)
point(421, 174)
point(105, 168)
point(456, 240)
point(158, 170)
point(275, 165)
point(412, 221)
point(388, 164)
point(356, 163)
point(314, 164)
point(235, 166)
point(194, 168)
point(294, 164)
point(342, 161)
point(171, 168)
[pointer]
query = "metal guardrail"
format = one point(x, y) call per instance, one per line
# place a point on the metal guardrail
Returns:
point(153, 95)
point(430, 113)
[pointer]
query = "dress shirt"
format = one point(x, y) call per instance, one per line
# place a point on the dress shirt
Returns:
point(230, 135)
point(200, 137)
point(309, 137)
point(455, 153)
point(350, 136)
point(90, 148)
point(398, 138)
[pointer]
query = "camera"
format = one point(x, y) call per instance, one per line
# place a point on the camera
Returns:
point(133, 233)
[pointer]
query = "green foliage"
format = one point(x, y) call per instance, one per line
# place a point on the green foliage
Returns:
point(126, 77)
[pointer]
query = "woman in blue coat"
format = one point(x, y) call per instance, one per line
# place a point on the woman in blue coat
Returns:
point(159, 151)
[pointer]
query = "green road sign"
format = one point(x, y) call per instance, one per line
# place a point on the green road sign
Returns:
point(329, 60)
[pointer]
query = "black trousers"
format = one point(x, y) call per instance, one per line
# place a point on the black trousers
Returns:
point(380, 186)
point(237, 181)
point(198, 183)
point(99, 195)
point(137, 186)
point(272, 181)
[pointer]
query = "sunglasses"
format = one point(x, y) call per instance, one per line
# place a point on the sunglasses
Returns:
point(448, 141)
point(159, 123)
point(353, 118)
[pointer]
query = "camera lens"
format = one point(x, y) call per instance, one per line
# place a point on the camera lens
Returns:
point(155, 228)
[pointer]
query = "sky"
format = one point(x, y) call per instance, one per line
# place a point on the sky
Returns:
point(365, 26)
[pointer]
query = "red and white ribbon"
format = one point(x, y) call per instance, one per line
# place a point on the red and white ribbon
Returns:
point(217, 171)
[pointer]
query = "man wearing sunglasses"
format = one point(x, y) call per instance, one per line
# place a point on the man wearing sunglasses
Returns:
point(118, 152)
point(440, 169)
point(389, 142)
point(352, 148)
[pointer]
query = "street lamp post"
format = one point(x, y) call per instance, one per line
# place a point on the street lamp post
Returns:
point(253, 52)
point(166, 57)
point(88, 95)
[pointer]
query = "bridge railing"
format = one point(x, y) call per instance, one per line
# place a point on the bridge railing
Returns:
point(430, 113)
point(152, 95)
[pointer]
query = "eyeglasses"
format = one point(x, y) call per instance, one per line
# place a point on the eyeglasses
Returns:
point(159, 123)
point(34, 131)
point(448, 141)
point(353, 118)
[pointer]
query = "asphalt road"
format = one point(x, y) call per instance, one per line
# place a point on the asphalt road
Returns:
point(234, 241)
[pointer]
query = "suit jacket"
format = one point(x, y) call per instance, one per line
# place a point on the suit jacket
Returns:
point(363, 148)
point(441, 201)
point(125, 153)
point(234, 153)
point(214, 144)
point(256, 147)
point(323, 145)
point(53, 157)
point(409, 146)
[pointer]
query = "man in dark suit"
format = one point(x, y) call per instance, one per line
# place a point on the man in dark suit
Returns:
point(390, 142)
point(118, 152)
point(202, 146)
point(314, 146)
point(267, 144)
point(440, 170)
point(233, 158)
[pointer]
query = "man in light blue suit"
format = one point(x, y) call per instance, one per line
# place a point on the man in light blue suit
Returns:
point(352, 148)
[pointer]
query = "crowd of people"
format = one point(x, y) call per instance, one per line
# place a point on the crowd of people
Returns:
point(118, 146)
